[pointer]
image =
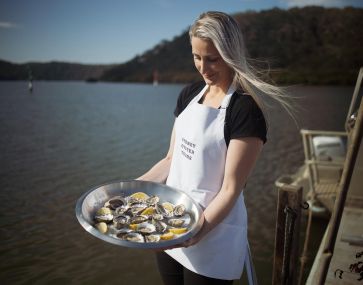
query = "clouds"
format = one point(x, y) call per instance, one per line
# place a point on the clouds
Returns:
point(8, 25)
point(324, 3)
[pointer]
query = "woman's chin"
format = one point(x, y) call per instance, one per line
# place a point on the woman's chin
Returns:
point(209, 81)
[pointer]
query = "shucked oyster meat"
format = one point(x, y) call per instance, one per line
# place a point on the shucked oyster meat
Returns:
point(142, 218)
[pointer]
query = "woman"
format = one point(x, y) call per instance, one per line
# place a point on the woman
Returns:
point(217, 136)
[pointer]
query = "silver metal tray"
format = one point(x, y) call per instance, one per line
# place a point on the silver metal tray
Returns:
point(91, 201)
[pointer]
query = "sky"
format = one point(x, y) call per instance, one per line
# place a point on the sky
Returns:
point(110, 31)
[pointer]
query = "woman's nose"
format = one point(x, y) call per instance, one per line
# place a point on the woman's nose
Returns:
point(203, 66)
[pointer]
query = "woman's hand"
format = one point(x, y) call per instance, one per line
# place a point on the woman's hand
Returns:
point(193, 240)
point(198, 236)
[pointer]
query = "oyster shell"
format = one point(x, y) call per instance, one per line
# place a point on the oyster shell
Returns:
point(121, 221)
point(152, 200)
point(176, 222)
point(121, 210)
point(161, 209)
point(134, 237)
point(116, 202)
point(159, 226)
point(146, 228)
point(179, 210)
point(124, 231)
point(157, 217)
point(152, 238)
point(103, 211)
point(104, 215)
point(138, 219)
point(137, 208)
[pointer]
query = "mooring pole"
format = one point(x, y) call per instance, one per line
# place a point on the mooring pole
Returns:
point(287, 235)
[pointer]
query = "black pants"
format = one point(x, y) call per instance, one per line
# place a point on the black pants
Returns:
point(173, 273)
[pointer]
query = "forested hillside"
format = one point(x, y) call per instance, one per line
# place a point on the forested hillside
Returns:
point(51, 71)
point(311, 45)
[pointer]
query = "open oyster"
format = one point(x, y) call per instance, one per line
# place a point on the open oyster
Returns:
point(116, 202)
point(134, 237)
point(104, 214)
point(179, 210)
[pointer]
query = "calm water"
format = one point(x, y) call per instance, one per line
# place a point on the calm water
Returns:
point(67, 137)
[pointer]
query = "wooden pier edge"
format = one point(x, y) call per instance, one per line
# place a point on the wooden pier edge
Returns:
point(291, 196)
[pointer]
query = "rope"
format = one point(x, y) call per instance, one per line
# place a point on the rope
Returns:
point(289, 231)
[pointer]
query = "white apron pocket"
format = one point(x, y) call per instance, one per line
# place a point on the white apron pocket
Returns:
point(221, 254)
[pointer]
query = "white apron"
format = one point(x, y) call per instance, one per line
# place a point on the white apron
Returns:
point(197, 168)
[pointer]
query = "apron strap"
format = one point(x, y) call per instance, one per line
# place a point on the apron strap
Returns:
point(228, 97)
point(251, 274)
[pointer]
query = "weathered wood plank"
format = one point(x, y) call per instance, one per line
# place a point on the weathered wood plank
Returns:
point(288, 196)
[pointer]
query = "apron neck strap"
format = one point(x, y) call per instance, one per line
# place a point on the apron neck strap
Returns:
point(227, 98)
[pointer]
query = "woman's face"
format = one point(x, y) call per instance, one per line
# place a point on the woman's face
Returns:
point(210, 64)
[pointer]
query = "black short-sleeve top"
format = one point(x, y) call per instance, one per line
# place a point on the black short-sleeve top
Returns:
point(244, 118)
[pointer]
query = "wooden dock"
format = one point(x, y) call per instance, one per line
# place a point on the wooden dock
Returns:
point(340, 256)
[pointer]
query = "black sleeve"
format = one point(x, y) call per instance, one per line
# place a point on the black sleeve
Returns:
point(186, 95)
point(247, 119)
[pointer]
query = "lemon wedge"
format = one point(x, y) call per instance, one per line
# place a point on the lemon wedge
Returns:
point(167, 236)
point(102, 227)
point(168, 206)
point(148, 211)
point(133, 226)
point(140, 196)
point(178, 231)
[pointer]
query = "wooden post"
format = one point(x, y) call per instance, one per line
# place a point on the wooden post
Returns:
point(288, 196)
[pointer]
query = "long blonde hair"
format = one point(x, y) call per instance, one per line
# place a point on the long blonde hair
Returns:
point(226, 35)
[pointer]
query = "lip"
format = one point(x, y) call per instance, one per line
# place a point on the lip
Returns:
point(209, 76)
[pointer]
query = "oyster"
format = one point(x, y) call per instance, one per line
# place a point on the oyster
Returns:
point(146, 228)
point(152, 238)
point(104, 215)
point(140, 196)
point(116, 202)
point(176, 222)
point(137, 208)
point(121, 221)
point(103, 211)
point(121, 210)
point(161, 209)
point(179, 210)
point(152, 200)
point(138, 219)
point(124, 231)
point(157, 217)
point(134, 237)
point(159, 226)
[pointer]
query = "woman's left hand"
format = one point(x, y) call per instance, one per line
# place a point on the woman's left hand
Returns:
point(193, 240)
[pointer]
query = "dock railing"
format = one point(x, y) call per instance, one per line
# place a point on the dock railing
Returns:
point(324, 172)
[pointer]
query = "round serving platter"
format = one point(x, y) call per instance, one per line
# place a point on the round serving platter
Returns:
point(92, 200)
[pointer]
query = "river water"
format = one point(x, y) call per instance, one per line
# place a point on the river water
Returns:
point(67, 137)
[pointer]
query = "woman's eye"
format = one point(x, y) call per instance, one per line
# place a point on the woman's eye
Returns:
point(213, 59)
